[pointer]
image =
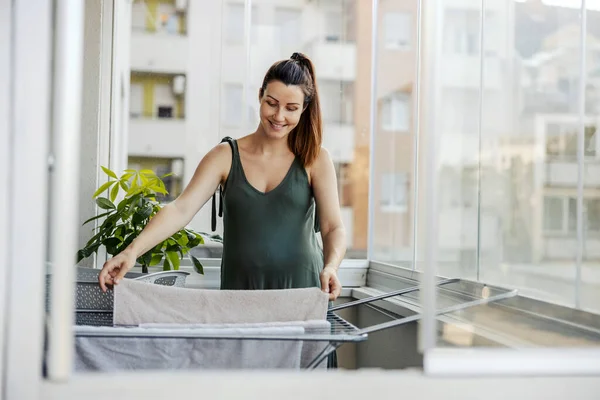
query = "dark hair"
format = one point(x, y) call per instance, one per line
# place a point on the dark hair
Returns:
point(306, 138)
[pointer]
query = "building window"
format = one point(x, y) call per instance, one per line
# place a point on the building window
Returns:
point(461, 31)
point(394, 189)
point(234, 24)
point(560, 215)
point(395, 114)
point(344, 180)
point(561, 141)
point(232, 104)
point(337, 102)
point(161, 167)
point(553, 214)
point(334, 29)
point(136, 100)
point(397, 30)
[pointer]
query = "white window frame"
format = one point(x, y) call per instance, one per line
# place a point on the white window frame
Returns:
point(28, 140)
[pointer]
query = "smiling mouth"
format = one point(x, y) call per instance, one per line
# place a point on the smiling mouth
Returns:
point(276, 126)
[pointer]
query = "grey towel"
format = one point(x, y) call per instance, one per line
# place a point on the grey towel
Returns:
point(158, 352)
point(310, 349)
point(137, 303)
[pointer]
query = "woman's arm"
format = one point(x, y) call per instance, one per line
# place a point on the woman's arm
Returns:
point(211, 171)
point(324, 185)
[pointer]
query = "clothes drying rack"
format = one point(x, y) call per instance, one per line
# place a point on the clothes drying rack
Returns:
point(341, 331)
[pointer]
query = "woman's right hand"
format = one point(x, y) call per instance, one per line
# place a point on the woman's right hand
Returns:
point(115, 269)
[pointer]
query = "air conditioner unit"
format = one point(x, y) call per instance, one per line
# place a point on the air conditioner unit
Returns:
point(179, 85)
point(181, 5)
point(177, 167)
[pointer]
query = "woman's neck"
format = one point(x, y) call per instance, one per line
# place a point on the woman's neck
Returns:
point(262, 144)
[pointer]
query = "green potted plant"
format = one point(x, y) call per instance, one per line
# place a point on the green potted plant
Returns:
point(124, 221)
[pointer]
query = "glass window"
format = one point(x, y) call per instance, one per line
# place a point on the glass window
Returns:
point(554, 214)
point(232, 107)
point(234, 24)
point(395, 112)
point(398, 30)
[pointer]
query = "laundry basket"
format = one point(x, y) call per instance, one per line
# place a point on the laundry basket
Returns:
point(95, 307)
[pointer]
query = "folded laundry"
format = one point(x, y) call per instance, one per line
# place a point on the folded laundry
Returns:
point(137, 303)
point(310, 349)
point(98, 349)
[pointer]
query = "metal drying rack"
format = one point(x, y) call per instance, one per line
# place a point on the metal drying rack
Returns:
point(341, 331)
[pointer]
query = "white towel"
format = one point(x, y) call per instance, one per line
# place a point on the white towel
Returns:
point(110, 354)
point(310, 349)
point(138, 302)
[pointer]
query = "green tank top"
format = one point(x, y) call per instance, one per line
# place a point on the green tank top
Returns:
point(269, 239)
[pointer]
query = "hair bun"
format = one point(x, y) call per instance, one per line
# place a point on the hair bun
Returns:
point(298, 57)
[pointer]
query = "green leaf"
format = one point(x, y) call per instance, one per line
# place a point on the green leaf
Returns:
point(167, 264)
point(134, 190)
point(94, 238)
point(174, 259)
point(105, 203)
point(102, 188)
point(113, 193)
point(96, 217)
point(144, 180)
point(158, 189)
point(197, 265)
point(156, 258)
point(131, 171)
point(124, 185)
point(167, 175)
point(183, 240)
point(109, 172)
point(147, 172)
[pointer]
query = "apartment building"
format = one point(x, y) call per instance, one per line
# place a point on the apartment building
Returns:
point(173, 58)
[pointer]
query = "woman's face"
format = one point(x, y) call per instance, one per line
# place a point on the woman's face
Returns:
point(280, 108)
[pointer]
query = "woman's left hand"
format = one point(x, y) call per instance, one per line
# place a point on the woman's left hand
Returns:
point(330, 282)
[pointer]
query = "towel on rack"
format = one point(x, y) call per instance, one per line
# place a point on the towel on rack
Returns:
point(310, 349)
point(138, 302)
point(152, 349)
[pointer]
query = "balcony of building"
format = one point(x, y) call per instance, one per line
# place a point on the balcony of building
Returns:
point(157, 137)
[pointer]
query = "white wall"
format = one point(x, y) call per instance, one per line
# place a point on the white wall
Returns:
point(162, 137)
point(163, 53)
point(339, 140)
point(334, 60)
point(565, 174)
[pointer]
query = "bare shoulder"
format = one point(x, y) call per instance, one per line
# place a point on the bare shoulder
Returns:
point(322, 163)
point(217, 161)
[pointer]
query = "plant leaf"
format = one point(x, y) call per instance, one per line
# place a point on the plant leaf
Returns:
point(109, 172)
point(197, 265)
point(167, 175)
point(102, 188)
point(183, 240)
point(156, 258)
point(147, 172)
point(105, 203)
point(174, 259)
point(113, 193)
point(167, 264)
point(124, 185)
point(96, 217)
